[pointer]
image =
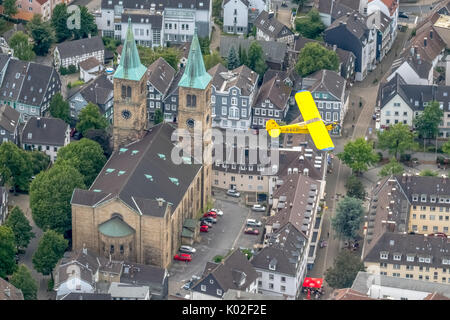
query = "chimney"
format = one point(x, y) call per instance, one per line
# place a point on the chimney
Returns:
point(84, 249)
point(160, 201)
point(38, 122)
point(425, 41)
point(8, 292)
point(431, 34)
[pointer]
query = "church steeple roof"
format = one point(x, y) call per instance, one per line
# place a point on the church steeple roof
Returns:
point(130, 66)
point(195, 75)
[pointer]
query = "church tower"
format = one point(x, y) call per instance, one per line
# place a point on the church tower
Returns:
point(130, 95)
point(194, 111)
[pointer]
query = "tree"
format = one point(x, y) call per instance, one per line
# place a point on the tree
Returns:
point(23, 280)
point(15, 170)
point(310, 26)
point(50, 194)
point(358, 155)
point(21, 228)
point(86, 156)
point(9, 8)
point(149, 55)
point(7, 252)
point(42, 34)
point(243, 57)
point(87, 25)
point(59, 108)
point(212, 59)
point(255, 59)
point(313, 57)
point(91, 118)
point(158, 116)
point(233, 60)
point(355, 188)
point(102, 138)
point(397, 139)
point(345, 268)
point(60, 16)
point(446, 147)
point(39, 161)
point(392, 168)
point(428, 173)
point(204, 45)
point(348, 218)
point(427, 123)
point(50, 249)
point(22, 48)
point(216, 8)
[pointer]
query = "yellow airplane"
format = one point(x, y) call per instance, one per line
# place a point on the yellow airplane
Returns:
point(312, 125)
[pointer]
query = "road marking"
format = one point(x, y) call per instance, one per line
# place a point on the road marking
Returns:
point(240, 231)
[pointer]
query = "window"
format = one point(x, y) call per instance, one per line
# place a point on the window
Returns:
point(283, 279)
point(410, 258)
point(282, 288)
point(397, 257)
point(203, 287)
point(111, 250)
point(224, 111)
point(219, 292)
point(244, 102)
point(271, 276)
point(384, 255)
point(191, 100)
point(213, 99)
point(244, 113)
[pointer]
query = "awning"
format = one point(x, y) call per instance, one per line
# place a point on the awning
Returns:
point(313, 282)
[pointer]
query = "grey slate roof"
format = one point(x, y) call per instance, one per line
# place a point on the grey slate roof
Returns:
point(245, 2)
point(89, 63)
point(9, 292)
point(4, 58)
point(9, 118)
point(141, 174)
point(154, 19)
point(328, 81)
point(241, 77)
point(86, 296)
point(79, 47)
point(142, 274)
point(418, 185)
point(98, 91)
point(160, 75)
point(173, 89)
point(45, 131)
point(276, 91)
point(355, 23)
point(269, 24)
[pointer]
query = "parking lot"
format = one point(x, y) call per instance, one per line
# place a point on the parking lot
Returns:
point(225, 235)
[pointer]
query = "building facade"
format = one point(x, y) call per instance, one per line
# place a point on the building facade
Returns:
point(73, 52)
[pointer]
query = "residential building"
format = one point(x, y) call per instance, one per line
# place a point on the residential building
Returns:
point(45, 134)
point(275, 53)
point(27, 86)
point(381, 23)
point(73, 52)
point(9, 124)
point(232, 95)
point(9, 292)
point(268, 28)
point(330, 10)
point(235, 16)
point(427, 42)
point(127, 291)
point(350, 32)
point(328, 89)
point(272, 102)
point(154, 278)
point(100, 92)
point(86, 296)
point(442, 28)
point(401, 102)
point(160, 75)
point(171, 99)
point(3, 204)
point(290, 77)
point(413, 69)
point(395, 288)
point(90, 69)
point(147, 28)
point(234, 272)
point(386, 16)
point(42, 7)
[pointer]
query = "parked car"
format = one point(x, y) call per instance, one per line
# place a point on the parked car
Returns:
point(206, 223)
point(217, 211)
point(403, 15)
point(253, 223)
point(187, 249)
point(209, 219)
point(258, 207)
point(251, 231)
point(204, 228)
point(183, 257)
point(233, 193)
point(188, 285)
point(210, 214)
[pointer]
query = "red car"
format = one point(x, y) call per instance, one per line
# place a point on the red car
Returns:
point(204, 228)
point(251, 231)
point(210, 214)
point(183, 257)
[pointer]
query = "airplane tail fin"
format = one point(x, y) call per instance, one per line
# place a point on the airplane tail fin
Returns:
point(273, 128)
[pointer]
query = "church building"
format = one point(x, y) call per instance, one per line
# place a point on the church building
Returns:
point(136, 207)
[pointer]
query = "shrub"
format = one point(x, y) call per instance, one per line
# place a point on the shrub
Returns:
point(405, 158)
point(218, 259)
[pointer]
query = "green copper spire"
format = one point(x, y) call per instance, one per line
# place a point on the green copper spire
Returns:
point(130, 66)
point(195, 75)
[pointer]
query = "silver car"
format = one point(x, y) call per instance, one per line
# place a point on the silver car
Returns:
point(233, 193)
point(258, 207)
point(187, 249)
point(253, 223)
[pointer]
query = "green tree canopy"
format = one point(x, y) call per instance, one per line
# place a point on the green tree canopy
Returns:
point(243, 59)
point(60, 108)
point(50, 194)
point(204, 45)
point(212, 59)
point(50, 249)
point(15, 169)
point(348, 218)
point(345, 268)
point(255, 58)
point(391, 168)
point(217, 8)
point(91, 118)
point(314, 57)
point(446, 147)
point(427, 123)
point(42, 34)
point(20, 43)
point(59, 22)
point(358, 155)
point(310, 26)
point(7, 252)
point(23, 280)
point(9, 7)
point(86, 156)
point(397, 139)
point(428, 173)
point(102, 138)
point(39, 161)
point(87, 23)
point(355, 188)
point(149, 55)
point(20, 226)
point(233, 60)
point(158, 116)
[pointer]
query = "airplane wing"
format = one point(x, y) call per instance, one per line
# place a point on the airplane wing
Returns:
point(313, 120)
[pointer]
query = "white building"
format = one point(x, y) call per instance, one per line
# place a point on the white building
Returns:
point(235, 16)
point(413, 69)
point(73, 52)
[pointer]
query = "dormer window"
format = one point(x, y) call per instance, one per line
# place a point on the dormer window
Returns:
point(423, 198)
point(433, 199)
point(445, 261)
point(384, 255)
point(30, 135)
point(397, 257)
point(219, 292)
point(410, 258)
point(421, 259)
point(427, 260)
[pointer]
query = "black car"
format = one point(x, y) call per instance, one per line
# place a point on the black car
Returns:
point(403, 15)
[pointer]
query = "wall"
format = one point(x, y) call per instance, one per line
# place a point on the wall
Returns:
point(389, 107)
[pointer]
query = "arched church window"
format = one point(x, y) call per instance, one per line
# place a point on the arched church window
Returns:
point(191, 100)
point(124, 92)
point(111, 249)
point(128, 92)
